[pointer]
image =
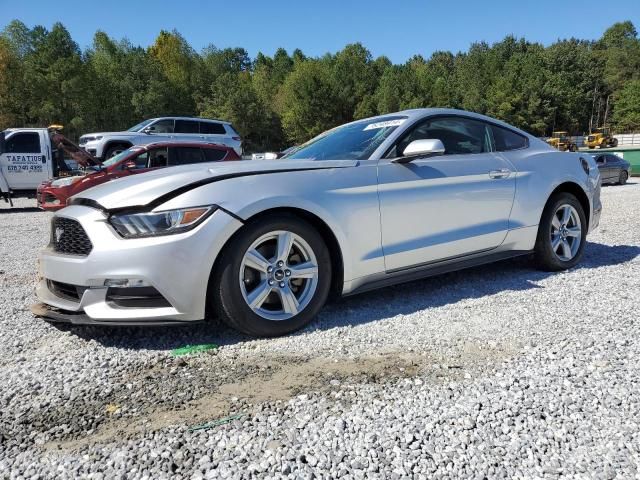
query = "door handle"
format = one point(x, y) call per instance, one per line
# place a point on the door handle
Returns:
point(502, 173)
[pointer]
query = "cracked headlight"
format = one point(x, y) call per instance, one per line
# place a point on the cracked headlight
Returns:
point(149, 224)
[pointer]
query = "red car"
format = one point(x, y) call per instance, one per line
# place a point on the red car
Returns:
point(53, 194)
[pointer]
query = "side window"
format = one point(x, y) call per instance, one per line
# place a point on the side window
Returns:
point(508, 140)
point(162, 126)
point(140, 161)
point(186, 126)
point(158, 158)
point(459, 135)
point(185, 155)
point(212, 128)
point(214, 154)
point(24, 142)
point(612, 159)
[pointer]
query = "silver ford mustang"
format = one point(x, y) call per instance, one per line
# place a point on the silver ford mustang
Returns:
point(364, 205)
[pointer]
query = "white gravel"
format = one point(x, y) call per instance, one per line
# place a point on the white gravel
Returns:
point(499, 371)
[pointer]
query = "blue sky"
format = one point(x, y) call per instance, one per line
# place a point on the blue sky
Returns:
point(397, 29)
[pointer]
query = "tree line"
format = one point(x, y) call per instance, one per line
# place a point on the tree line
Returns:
point(285, 99)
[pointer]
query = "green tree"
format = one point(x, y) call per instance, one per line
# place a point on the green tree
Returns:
point(626, 116)
point(309, 101)
point(233, 98)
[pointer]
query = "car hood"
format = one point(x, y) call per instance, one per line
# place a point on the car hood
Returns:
point(144, 189)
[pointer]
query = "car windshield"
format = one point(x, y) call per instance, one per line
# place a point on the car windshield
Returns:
point(140, 126)
point(116, 158)
point(355, 141)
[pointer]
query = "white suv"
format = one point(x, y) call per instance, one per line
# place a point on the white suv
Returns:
point(107, 144)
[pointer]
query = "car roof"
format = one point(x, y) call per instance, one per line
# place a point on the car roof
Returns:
point(173, 117)
point(169, 143)
point(418, 113)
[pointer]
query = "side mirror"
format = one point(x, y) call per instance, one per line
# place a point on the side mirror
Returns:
point(149, 130)
point(426, 148)
point(3, 143)
point(130, 165)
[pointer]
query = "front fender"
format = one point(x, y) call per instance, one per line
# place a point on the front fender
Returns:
point(289, 202)
point(345, 199)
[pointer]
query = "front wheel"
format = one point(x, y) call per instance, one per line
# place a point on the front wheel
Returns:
point(272, 278)
point(113, 151)
point(561, 234)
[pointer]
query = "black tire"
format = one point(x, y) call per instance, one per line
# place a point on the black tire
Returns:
point(225, 297)
point(114, 150)
point(623, 177)
point(545, 258)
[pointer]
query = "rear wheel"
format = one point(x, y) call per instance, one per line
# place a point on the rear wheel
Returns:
point(623, 177)
point(273, 277)
point(561, 234)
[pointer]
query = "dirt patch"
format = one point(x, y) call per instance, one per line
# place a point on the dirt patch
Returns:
point(276, 379)
point(280, 378)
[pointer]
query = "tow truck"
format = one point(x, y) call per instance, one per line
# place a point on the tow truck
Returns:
point(30, 156)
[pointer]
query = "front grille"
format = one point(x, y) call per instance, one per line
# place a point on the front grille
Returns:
point(68, 236)
point(66, 290)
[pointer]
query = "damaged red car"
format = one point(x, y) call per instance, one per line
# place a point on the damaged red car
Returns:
point(53, 194)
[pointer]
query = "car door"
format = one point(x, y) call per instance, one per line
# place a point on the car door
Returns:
point(187, 130)
point(143, 162)
point(603, 168)
point(24, 163)
point(446, 206)
point(186, 155)
point(160, 130)
point(614, 166)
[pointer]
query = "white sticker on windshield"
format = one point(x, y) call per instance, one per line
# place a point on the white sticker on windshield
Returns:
point(388, 123)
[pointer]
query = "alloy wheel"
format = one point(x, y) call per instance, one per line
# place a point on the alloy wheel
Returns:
point(278, 275)
point(566, 232)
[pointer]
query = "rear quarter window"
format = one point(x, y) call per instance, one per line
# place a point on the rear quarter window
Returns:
point(506, 139)
point(214, 154)
point(212, 128)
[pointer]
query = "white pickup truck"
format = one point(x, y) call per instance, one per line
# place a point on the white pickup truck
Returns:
point(29, 156)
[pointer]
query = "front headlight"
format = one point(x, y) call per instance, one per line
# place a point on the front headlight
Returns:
point(84, 140)
point(65, 182)
point(149, 224)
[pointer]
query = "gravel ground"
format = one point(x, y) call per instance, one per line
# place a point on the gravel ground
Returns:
point(499, 371)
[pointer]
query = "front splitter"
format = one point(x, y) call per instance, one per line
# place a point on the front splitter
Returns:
point(57, 315)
